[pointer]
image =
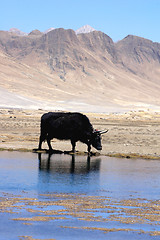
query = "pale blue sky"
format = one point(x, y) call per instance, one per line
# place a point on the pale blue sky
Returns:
point(115, 18)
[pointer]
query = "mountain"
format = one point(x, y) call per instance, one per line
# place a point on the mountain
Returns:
point(80, 72)
point(35, 32)
point(85, 29)
point(136, 53)
point(17, 32)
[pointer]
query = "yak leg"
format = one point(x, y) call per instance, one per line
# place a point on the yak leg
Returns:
point(73, 145)
point(41, 139)
point(40, 143)
point(49, 144)
point(43, 136)
point(89, 148)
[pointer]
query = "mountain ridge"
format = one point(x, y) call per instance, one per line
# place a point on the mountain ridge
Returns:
point(81, 70)
point(83, 29)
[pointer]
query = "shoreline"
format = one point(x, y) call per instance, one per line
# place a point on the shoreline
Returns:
point(114, 155)
point(131, 134)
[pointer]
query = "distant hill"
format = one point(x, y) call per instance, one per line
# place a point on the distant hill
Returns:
point(85, 71)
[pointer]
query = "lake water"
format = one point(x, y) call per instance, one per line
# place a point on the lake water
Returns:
point(67, 197)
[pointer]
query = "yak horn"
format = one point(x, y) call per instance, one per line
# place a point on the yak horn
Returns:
point(101, 132)
point(104, 131)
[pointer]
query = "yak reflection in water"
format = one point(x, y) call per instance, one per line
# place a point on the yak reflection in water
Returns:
point(68, 173)
point(68, 163)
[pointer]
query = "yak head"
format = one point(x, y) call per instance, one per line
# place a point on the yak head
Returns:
point(96, 139)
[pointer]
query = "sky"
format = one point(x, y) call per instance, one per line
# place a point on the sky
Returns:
point(115, 18)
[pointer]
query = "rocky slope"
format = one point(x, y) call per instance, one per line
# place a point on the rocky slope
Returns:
point(84, 72)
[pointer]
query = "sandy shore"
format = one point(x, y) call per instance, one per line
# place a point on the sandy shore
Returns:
point(130, 134)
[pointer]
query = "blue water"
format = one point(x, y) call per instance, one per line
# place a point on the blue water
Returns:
point(61, 173)
point(33, 175)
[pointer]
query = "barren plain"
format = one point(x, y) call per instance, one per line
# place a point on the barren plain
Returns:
point(131, 134)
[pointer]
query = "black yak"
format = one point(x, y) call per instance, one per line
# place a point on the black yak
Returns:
point(69, 126)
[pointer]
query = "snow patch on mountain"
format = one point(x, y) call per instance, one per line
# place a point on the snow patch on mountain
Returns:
point(17, 32)
point(85, 29)
point(48, 30)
